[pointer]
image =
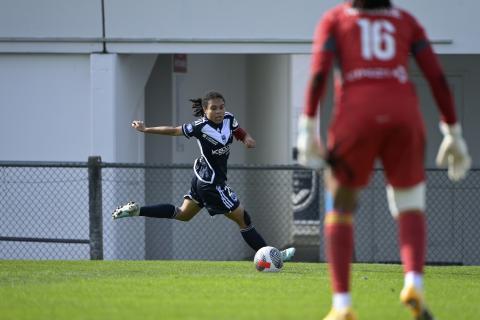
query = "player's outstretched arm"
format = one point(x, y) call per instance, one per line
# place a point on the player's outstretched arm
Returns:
point(311, 152)
point(164, 130)
point(249, 142)
point(243, 136)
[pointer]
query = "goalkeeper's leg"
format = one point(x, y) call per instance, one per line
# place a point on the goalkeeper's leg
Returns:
point(338, 231)
point(407, 205)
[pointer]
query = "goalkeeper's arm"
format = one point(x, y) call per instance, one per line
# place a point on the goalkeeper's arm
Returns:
point(453, 152)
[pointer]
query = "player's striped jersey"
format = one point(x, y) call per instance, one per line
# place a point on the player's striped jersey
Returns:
point(214, 141)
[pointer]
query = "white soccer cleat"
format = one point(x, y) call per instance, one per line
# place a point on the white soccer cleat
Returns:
point(130, 209)
point(287, 254)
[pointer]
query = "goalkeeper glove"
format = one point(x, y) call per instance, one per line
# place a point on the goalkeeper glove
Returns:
point(453, 152)
point(308, 144)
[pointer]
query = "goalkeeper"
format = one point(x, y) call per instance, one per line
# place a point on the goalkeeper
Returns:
point(376, 116)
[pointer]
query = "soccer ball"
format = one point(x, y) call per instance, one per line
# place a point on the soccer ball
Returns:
point(268, 259)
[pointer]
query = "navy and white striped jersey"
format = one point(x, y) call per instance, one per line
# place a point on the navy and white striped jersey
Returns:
point(214, 141)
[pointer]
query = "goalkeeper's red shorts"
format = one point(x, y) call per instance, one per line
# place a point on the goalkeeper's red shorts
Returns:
point(354, 143)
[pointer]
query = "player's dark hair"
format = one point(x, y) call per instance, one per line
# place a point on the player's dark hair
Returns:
point(200, 103)
point(372, 4)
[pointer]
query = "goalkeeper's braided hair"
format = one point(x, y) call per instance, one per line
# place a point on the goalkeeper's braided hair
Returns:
point(372, 4)
point(200, 103)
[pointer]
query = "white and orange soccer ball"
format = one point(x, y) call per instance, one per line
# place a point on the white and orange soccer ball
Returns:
point(268, 259)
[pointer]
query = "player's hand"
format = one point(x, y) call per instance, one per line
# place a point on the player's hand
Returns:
point(309, 144)
point(249, 141)
point(138, 125)
point(453, 152)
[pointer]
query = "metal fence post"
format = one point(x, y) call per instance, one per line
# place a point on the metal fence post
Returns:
point(95, 207)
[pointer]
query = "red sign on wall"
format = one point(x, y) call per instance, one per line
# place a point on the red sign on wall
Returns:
point(180, 63)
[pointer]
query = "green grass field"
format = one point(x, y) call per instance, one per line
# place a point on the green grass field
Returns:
point(217, 290)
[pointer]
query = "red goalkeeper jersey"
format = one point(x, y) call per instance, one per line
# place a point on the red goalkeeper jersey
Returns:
point(372, 48)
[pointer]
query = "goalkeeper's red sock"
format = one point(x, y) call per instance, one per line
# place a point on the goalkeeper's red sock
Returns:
point(338, 231)
point(412, 236)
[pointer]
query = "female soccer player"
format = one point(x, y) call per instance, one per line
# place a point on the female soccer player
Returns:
point(376, 117)
point(214, 131)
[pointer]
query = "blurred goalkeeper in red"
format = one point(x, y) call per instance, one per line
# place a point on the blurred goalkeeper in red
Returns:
point(376, 116)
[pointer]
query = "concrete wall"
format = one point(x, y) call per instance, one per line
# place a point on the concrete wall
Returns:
point(44, 107)
point(82, 105)
point(158, 149)
point(207, 26)
point(273, 27)
point(40, 26)
point(118, 97)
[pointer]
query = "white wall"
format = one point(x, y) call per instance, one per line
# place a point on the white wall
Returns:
point(207, 26)
point(158, 149)
point(67, 107)
point(268, 108)
point(271, 26)
point(158, 110)
point(118, 97)
point(31, 21)
point(132, 73)
point(448, 21)
point(44, 107)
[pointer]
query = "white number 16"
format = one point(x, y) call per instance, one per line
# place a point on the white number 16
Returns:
point(377, 39)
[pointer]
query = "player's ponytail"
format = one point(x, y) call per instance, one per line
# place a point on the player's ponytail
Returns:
point(197, 107)
point(372, 4)
point(200, 103)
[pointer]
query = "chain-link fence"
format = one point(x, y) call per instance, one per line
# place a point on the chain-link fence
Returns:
point(44, 211)
point(63, 211)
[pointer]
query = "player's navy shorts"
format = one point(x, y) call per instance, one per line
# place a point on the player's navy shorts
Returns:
point(216, 198)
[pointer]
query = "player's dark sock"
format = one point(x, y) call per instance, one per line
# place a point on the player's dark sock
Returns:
point(165, 211)
point(253, 238)
point(338, 231)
